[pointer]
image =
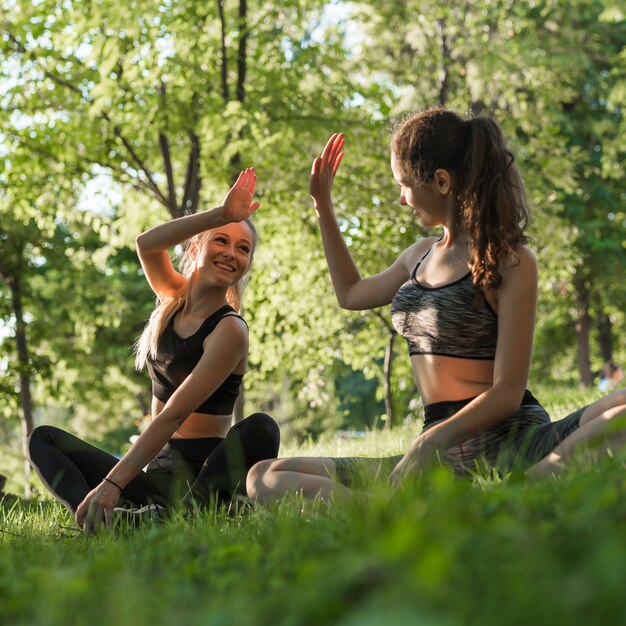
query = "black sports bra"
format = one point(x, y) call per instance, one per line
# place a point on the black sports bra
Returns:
point(452, 320)
point(176, 358)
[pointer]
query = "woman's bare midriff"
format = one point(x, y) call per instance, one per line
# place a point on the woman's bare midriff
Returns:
point(445, 378)
point(197, 425)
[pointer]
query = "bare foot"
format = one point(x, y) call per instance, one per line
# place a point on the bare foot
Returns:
point(551, 465)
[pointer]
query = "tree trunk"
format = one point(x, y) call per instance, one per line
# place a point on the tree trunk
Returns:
point(605, 336)
point(26, 403)
point(583, 333)
point(387, 369)
point(444, 78)
point(242, 51)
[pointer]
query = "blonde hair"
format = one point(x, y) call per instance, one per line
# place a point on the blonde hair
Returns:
point(147, 344)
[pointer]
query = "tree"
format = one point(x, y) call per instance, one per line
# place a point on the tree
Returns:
point(168, 101)
point(43, 260)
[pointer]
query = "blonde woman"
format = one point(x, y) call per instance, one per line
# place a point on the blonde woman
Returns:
point(195, 347)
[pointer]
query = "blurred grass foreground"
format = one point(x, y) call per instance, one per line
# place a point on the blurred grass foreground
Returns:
point(440, 552)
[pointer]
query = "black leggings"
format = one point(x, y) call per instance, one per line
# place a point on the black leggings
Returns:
point(189, 469)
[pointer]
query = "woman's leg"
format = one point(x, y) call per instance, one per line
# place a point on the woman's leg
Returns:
point(595, 422)
point(70, 468)
point(312, 477)
point(224, 472)
point(317, 477)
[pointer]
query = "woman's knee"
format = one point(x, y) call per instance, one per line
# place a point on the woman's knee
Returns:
point(615, 398)
point(254, 481)
point(265, 430)
point(42, 435)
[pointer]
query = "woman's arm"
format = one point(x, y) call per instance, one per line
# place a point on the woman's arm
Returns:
point(152, 245)
point(517, 302)
point(223, 350)
point(352, 291)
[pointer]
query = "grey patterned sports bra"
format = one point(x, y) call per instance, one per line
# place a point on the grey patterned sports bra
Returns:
point(452, 320)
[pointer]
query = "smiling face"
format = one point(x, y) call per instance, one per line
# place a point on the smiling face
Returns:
point(429, 201)
point(226, 253)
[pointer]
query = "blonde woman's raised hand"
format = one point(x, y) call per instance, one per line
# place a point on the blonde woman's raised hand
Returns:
point(324, 169)
point(237, 203)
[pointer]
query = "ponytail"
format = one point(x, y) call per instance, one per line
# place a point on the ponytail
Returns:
point(492, 201)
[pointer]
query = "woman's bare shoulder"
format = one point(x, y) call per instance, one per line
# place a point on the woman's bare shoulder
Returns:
point(519, 267)
point(417, 250)
point(522, 257)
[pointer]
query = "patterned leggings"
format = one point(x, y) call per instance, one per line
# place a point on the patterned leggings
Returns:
point(518, 441)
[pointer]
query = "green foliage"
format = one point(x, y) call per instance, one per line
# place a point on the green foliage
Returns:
point(147, 96)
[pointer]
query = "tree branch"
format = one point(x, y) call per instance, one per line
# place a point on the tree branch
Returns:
point(444, 84)
point(225, 89)
point(167, 159)
point(151, 183)
point(192, 178)
point(241, 52)
point(385, 321)
point(135, 183)
point(167, 163)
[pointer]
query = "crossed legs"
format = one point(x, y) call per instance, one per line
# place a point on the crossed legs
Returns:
point(69, 467)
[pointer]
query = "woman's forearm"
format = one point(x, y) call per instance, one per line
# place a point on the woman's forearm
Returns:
point(343, 272)
point(145, 448)
point(482, 413)
point(170, 234)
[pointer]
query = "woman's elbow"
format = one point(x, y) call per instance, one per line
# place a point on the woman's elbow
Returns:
point(348, 301)
point(345, 303)
point(510, 396)
point(140, 242)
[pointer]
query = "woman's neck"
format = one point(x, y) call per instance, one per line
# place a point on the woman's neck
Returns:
point(455, 237)
point(201, 300)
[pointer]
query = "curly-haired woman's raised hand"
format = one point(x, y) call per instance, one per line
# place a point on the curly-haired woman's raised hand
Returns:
point(324, 169)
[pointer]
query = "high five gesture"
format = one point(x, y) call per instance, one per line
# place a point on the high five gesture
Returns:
point(323, 172)
point(237, 203)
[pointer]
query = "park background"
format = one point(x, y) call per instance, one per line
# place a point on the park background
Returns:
point(115, 116)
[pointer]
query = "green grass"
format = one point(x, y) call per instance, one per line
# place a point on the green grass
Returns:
point(440, 552)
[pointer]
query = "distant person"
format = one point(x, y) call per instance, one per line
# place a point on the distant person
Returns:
point(195, 347)
point(465, 302)
point(612, 375)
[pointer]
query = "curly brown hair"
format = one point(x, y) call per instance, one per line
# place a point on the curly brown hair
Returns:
point(487, 183)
